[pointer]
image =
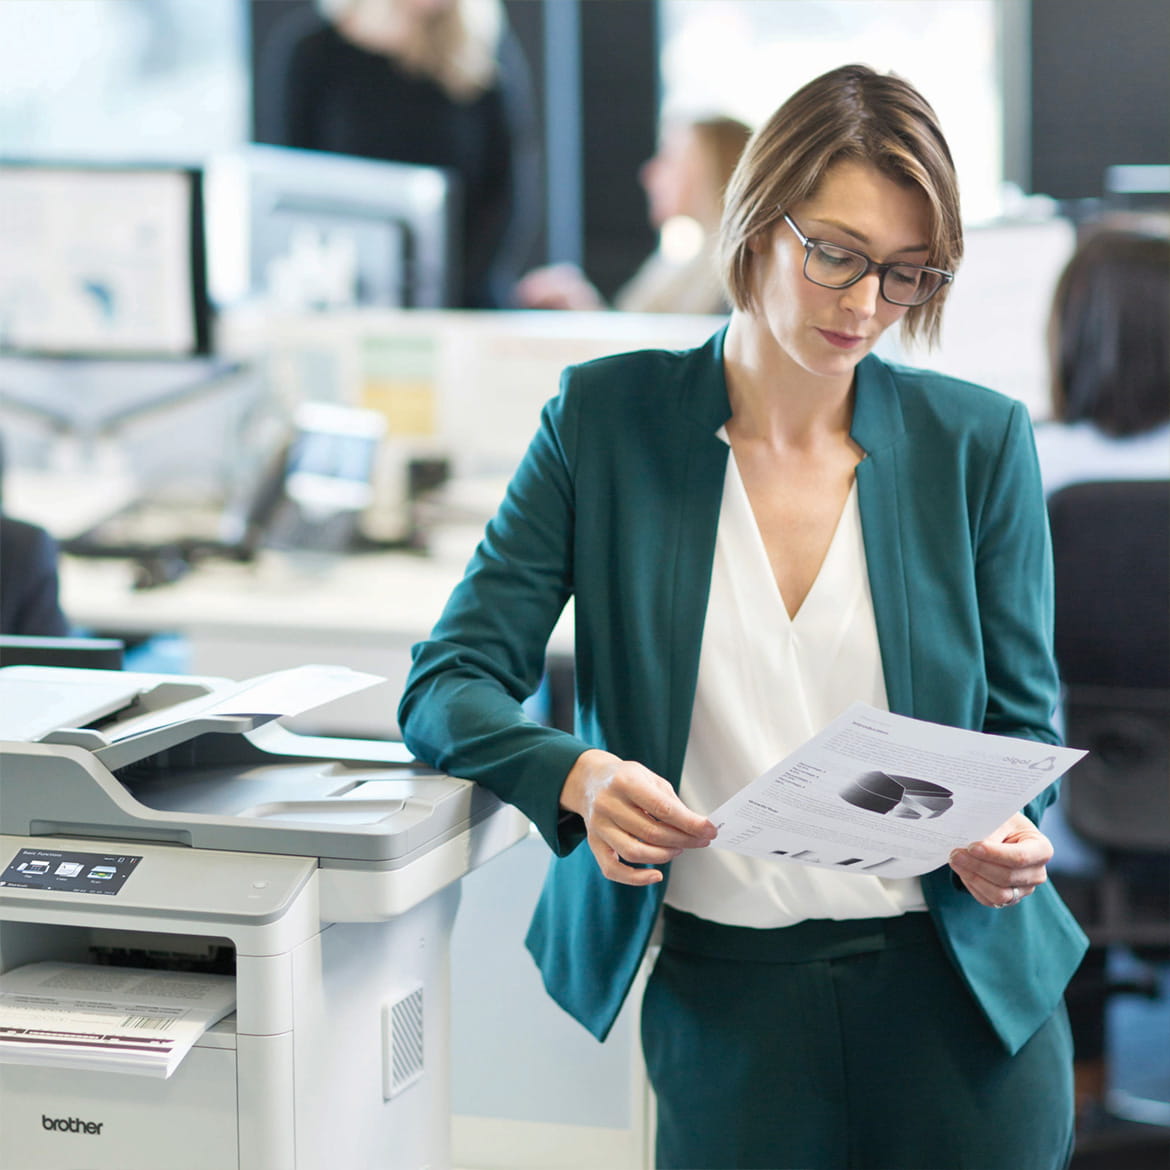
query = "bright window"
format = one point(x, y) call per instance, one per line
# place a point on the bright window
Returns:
point(122, 79)
point(744, 57)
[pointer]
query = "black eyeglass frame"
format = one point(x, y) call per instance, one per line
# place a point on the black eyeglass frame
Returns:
point(809, 243)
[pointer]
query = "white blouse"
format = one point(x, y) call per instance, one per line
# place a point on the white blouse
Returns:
point(766, 684)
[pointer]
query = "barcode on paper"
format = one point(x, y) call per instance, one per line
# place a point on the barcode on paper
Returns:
point(155, 1023)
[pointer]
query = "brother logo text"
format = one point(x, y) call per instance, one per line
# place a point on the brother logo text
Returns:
point(70, 1125)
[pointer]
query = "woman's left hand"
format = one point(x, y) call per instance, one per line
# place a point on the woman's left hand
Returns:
point(1007, 865)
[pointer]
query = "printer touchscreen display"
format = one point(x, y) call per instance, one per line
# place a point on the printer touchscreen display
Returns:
point(74, 873)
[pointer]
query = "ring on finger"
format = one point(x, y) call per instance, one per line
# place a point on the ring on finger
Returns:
point(1015, 897)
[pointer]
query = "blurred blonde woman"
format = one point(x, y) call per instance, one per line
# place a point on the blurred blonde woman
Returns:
point(432, 82)
point(453, 42)
point(684, 184)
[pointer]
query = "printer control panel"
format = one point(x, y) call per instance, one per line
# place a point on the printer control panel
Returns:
point(68, 871)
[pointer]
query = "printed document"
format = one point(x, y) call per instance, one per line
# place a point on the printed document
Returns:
point(111, 1019)
point(886, 795)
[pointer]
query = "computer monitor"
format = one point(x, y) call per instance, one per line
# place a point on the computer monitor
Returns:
point(85, 652)
point(1138, 187)
point(102, 260)
point(311, 229)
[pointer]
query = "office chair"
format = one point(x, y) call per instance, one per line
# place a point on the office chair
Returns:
point(1111, 549)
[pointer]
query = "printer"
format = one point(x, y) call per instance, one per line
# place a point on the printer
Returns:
point(322, 874)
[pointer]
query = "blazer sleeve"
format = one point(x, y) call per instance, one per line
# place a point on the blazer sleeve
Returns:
point(461, 708)
point(1014, 578)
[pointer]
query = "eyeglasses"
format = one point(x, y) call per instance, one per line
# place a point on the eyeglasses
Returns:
point(831, 266)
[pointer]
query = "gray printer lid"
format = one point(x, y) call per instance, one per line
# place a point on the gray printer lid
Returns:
point(215, 783)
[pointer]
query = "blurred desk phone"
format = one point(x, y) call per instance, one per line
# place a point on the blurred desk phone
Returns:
point(330, 488)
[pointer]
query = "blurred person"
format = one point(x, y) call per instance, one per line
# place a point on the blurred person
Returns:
point(29, 604)
point(684, 184)
point(1109, 368)
point(1109, 361)
point(756, 533)
point(439, 83)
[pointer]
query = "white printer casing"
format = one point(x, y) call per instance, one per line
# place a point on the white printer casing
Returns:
point(325, 873)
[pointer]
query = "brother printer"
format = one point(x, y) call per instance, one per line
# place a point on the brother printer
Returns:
point(321, 874)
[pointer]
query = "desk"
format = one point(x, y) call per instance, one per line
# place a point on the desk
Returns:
point(364, 611)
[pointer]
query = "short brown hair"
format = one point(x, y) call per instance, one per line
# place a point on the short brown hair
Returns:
point(1109, 346)
point(854, 113)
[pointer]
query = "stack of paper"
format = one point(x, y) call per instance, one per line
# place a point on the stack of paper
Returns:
point(112, 1019)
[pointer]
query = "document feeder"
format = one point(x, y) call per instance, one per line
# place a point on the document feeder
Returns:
point(329, 868)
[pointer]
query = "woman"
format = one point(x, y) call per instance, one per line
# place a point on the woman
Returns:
point(1109, 356)
point(684, 184)
point(755, 534)
point(433, 82)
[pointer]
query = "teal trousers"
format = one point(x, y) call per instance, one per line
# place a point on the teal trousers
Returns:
point(841, 1046)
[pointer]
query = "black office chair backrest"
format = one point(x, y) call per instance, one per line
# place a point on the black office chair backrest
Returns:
point(1111, 549)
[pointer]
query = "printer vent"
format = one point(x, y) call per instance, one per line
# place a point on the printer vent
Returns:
point(402, 1062)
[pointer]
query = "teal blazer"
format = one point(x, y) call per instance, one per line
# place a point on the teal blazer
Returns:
point(616, 504)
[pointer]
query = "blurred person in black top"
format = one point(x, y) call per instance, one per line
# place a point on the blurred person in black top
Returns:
point(431, 82)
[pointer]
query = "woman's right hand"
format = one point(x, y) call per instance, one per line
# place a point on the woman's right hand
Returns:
point(632, 816)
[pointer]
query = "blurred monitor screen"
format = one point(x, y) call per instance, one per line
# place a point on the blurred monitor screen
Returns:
point(310, 229)
point(86, 653)
point(102, 260)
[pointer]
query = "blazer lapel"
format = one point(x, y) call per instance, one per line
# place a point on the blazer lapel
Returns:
point(878, 429)
point(703, 464)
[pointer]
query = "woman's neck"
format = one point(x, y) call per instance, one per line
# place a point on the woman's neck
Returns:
point(776, 401)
